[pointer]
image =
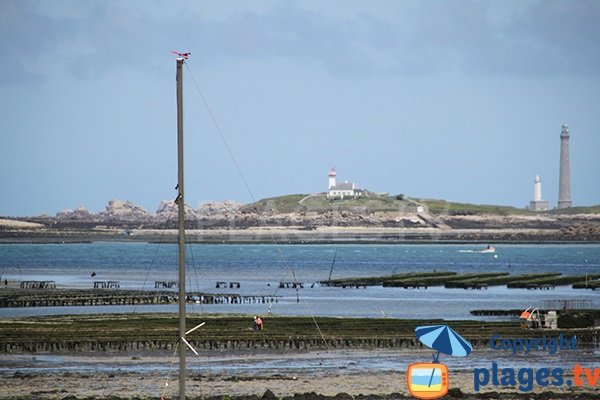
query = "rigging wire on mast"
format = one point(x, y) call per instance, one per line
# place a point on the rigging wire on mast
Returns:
point(221, 135)
point(249, 190)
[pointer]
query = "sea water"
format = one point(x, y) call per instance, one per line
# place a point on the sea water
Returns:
point(260, 268)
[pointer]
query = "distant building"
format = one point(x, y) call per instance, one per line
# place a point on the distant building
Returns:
point(341, 190)
point(564, 178)
point(537, 204)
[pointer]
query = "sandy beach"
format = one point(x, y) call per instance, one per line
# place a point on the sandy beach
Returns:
point(149, 385)
point(234, 375)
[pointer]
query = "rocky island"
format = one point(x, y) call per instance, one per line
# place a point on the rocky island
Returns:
point(302, 218)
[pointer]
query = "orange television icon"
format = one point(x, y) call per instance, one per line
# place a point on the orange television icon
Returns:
point(427, 380)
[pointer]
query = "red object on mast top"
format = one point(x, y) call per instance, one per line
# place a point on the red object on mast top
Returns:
point(182, 55)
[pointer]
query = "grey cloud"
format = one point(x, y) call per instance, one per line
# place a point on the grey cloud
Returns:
point(549, 37)
point(25, 37)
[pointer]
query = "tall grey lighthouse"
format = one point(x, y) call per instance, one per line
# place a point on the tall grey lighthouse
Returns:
point(564, 182)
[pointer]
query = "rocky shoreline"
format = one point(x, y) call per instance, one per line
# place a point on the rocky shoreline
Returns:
point(229, 222)
point(301, 235)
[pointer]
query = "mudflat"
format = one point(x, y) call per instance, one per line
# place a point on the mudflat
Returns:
point(241, 374)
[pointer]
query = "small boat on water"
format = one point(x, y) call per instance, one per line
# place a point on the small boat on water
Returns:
point(488, 249)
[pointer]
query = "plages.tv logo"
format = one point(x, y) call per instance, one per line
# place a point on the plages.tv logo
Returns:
point(525, 379)
point(430, 380)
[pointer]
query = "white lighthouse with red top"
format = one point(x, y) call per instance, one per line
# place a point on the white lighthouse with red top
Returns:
point(332, 175)
point(341, 190)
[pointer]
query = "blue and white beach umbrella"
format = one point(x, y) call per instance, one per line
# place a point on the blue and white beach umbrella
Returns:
point(443, 339)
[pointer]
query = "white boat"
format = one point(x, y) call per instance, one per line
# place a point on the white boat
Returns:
point(488, 249)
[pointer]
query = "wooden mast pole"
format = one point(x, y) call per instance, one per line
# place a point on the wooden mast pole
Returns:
point(181, 224)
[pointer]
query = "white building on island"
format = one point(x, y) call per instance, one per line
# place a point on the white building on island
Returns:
point(341, 190)
point(538, 204)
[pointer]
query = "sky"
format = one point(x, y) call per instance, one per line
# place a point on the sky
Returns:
point(455, 100)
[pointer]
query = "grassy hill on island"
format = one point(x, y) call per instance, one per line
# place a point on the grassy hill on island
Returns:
point(453, 208)
point(377, 202)
point(319, 202)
